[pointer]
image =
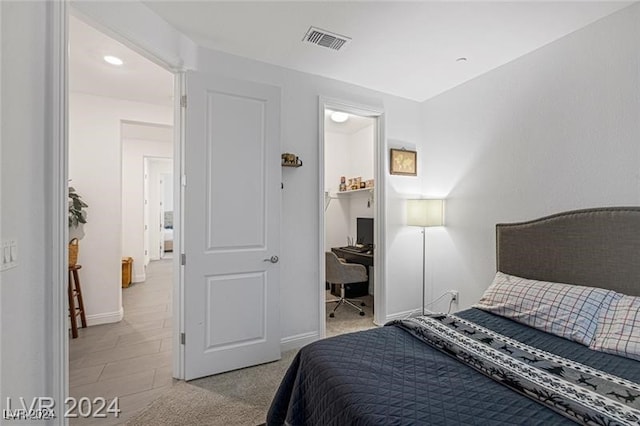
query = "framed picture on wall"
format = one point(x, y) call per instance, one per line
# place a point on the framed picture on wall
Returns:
point(404, 162)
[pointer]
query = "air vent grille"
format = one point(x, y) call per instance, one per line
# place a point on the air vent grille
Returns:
point(325, 38)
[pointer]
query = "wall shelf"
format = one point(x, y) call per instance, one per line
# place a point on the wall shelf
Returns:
point(346, 194)
point(353, 191)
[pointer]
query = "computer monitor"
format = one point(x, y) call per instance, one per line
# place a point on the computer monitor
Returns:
point(364, 231)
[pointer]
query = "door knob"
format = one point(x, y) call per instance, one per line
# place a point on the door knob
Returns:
point(272, 259)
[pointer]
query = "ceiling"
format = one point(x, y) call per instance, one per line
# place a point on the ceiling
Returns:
point(354, 123)
point(137, 79)
point(409, 49)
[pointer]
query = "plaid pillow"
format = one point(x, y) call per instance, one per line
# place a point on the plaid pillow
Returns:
point(568, 311)
point(618, 331)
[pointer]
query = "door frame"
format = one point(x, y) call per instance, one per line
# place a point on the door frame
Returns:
point(58, 16)
point(379, 170)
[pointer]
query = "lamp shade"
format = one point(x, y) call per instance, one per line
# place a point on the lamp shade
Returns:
point(425, 213)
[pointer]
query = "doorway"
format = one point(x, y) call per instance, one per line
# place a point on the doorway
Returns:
point(352, 182)
point(121, 116)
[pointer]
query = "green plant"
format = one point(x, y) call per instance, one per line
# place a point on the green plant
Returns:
point(77, 215)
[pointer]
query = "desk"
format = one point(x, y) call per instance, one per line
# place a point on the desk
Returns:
point(353, 256)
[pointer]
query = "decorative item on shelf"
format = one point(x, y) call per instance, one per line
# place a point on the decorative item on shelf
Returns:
point(403, 162)
point(343, 185)
point(369, 183)
point(353, 184)
point(291, 160)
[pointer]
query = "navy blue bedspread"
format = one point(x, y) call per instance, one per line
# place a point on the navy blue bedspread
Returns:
point(385, 376)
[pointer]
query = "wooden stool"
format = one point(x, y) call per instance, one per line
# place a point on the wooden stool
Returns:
point(75, 292)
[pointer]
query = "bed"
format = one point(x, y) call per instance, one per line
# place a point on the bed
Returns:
point(442, 369)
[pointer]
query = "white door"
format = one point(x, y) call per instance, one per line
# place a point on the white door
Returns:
point(231, 224)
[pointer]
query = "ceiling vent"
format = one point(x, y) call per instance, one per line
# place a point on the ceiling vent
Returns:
point(325, 38)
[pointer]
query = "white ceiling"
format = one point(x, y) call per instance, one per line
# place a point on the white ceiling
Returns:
point(138, 79)
point(408, 49)
point(354, 124)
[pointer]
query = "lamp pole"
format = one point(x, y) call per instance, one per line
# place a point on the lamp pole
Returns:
point(425, 213)
point(424, 261)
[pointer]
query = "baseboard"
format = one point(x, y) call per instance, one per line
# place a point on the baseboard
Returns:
point(297, 341)
point(402, 315)
point(105, 318)
point(139, 278)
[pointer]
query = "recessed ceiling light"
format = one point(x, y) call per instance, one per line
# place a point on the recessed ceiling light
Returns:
point(113, 60)
point(462, 59)
point(339, 117)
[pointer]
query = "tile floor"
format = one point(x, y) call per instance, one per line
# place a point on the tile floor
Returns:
point(130, 359)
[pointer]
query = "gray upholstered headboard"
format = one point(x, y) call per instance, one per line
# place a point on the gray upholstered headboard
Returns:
point(594, 247)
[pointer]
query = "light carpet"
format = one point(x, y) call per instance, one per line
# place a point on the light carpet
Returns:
point(240, 397)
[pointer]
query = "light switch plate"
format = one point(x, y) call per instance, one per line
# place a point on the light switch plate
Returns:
point(8, 254)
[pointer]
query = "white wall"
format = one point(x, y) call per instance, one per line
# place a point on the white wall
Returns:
point(349, 155)
point(95, 158)
point(167, 197)
point(133, 153)
point(337, 164)
point(300, 197)
point(556, 130)
point(157, 167)
point(362, 159)
point(25, 291)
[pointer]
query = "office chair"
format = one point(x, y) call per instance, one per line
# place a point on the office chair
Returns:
point(341, 273)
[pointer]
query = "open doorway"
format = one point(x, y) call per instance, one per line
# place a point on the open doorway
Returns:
point(147, 162)
point(121, 117)
point(350, 215)
point(159, 199)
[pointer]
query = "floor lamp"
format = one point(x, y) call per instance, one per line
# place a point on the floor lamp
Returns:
point(425, 213)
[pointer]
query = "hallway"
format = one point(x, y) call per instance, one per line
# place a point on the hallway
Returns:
point(130, 359)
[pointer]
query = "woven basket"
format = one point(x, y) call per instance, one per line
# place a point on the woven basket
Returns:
point(73, 252)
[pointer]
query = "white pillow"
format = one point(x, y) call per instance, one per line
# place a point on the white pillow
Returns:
point(618, 331)
point(566, 310)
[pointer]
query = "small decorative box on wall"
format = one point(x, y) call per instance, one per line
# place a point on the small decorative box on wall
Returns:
point(291, 160)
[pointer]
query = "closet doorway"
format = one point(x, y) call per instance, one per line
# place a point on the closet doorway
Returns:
point(350, 239)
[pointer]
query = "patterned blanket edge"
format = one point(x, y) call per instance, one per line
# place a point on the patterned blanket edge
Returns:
point(579, 392)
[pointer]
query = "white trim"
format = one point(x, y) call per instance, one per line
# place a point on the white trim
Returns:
point(297, 341)
point(179, 136)
point(175, 52)
point(1, 233)
point(380, 156)
point(58, 222)
point(402, 315)
point(380, 225)
point(139, 278)
point(105, 318)
point(57, 15)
